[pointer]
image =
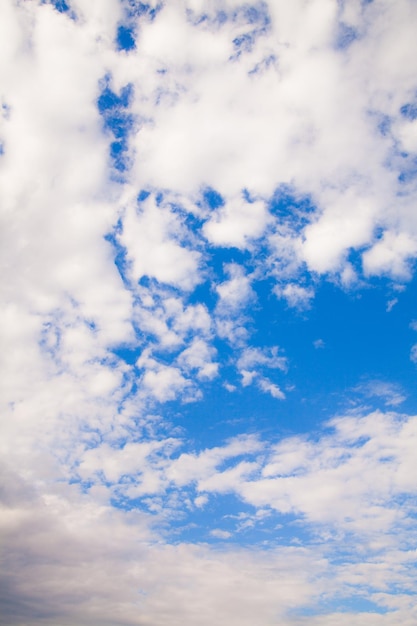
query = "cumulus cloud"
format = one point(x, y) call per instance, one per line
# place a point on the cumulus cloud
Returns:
point(152, 237)
point(295, 295)
point(237, 223)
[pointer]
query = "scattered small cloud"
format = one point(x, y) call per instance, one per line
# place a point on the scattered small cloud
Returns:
point(391, 304)
point(391, 394)
point(220, 534)
point(297, 297)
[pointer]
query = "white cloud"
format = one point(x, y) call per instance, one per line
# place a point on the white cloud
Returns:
point(391, 304)
point(347, 224)
point(201, 501)
point(198, 356)
point(391, 394)
point(251, 364)
point(235, 292)
point(345, 482)
point(248, 377)
point(192, 467)
point(236, 223)
point(131, 460)
point(234, 295)
point(152, 236)
point(390, 255)
point(312, 98)
point(163, 382)
point(220, 534)
point(270, 387)
point(295, 295)
point(407, 134)
point(252, 357)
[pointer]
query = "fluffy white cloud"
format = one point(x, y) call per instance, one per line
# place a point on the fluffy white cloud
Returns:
point(237, 223)
point(152, 237)
point(199, 357)
point(235, 292)
point(163, 382)
point(390, 255)
point(297, 89)
point(295, 295)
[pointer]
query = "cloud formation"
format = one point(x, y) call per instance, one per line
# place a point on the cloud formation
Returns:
point(182, 185)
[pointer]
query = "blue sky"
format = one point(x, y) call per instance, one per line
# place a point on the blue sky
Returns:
point(208, 321)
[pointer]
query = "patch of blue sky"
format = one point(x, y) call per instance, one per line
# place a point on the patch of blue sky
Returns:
point(345, 36)
point(291, 208)
point(255, 16)
point(220, 520)
point(358, 340)
point(128, 354)
point(125, 38)
point(212, 198)
point(405, 501)
point(60, 5)
point(244, 44)
point(222, 414)
point(355, 603)
point(346, 338)
point(409, 170)
point(143, 194)
point(108, 99)
point(119, 253)
point(352, 331)
point(118, 121)
point(218, 258)
point(409, 111)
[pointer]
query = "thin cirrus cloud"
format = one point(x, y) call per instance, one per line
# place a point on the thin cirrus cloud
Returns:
point(195, 197)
